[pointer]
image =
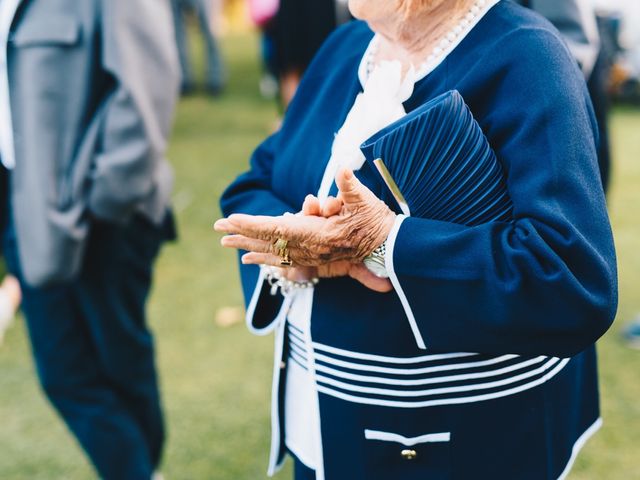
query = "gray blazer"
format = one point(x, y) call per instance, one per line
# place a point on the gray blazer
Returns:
point(93, 88)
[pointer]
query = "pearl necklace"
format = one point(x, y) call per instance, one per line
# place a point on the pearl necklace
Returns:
point(444, 46)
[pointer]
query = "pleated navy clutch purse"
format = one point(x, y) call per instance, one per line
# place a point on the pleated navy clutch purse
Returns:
point(437, 164)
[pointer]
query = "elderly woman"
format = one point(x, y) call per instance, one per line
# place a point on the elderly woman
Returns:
point(475, 358)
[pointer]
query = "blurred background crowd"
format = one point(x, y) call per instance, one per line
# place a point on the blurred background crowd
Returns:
point(241, 61)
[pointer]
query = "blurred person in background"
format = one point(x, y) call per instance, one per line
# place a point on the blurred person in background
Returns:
point(269, 86)
point(292, 31)
point(208, 14)
point(343, 14)
point(301, 26)
point(576, 21)
point(87, 94)
point(262, 14)
point(621, 36)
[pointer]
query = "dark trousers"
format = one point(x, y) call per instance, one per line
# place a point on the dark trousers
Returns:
point(93, 351)
point(597, 85)
point(215, 71)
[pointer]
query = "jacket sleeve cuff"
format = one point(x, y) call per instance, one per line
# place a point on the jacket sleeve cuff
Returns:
point(395, 281)
point(265, 310)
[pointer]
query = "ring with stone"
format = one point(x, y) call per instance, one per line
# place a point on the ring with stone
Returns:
point(283, 252)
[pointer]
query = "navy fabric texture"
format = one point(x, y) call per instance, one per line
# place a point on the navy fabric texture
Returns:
point(301, 472)
point(442, 164)
point(93, 351)
point(543, 284)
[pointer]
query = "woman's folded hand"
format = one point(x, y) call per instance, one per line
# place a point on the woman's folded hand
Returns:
point(334, 237)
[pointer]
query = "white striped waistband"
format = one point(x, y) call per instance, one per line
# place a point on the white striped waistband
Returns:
point(420, 381)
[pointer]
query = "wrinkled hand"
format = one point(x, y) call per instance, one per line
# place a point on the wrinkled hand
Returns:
point(357, 271)
point(337, 242)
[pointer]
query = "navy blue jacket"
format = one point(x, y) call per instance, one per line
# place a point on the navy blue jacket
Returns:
point(530, 297)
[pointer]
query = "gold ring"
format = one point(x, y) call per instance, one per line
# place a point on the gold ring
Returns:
point(283, 252)
point(285, 261)
point(280, 245)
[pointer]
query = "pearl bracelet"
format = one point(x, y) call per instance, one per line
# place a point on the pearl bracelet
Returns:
point(286, 286)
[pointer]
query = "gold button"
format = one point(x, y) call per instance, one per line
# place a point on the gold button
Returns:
point(283, 365)
point(409, 454)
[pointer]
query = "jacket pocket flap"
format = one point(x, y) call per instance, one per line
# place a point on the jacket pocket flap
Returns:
point(54, 31)
point(411, 458)
point(407, 441)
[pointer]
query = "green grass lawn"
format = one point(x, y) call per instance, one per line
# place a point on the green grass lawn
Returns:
point(216, 380)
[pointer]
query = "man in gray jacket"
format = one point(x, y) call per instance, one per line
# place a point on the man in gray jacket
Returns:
point(87, 93)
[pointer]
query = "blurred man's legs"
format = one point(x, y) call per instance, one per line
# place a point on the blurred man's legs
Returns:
point(182, 42)
point(597, 84)
point(214, 67)
point(208, 11)
point(94, 353)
